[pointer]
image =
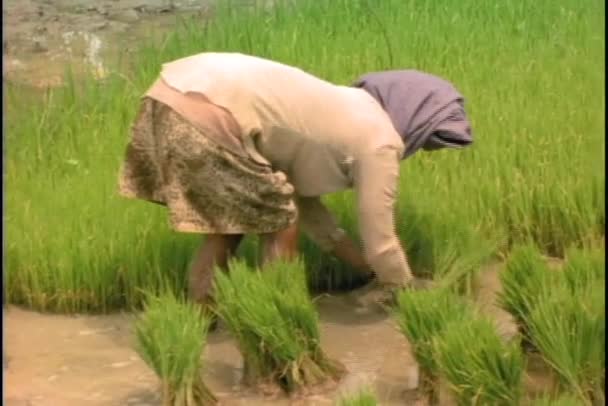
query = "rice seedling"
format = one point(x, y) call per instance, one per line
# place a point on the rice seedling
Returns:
point(480, 368)
point(525, 277)
point(364, 397)
point(73, 246)
point(570, 331)
point(170, 338)
point(422, 316)
point(275, 325)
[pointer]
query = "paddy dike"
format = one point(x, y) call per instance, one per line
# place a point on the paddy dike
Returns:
point(41, 37)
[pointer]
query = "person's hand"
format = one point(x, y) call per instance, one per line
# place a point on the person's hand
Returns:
point(348, 251)
point(384, 296)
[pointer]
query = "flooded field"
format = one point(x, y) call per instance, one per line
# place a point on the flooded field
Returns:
point(89, 360)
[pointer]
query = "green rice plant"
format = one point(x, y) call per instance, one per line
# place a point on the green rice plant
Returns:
point(364, 397)
point(480, 368)
point(535, 172)
point(584, 268)
point(526, 275)
point(275, 324)
point(421, 317)
point(451, 261)
point(562, 400)
point(570, 331)
point(170, 338)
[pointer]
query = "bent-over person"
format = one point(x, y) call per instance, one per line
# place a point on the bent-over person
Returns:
point(234, 144)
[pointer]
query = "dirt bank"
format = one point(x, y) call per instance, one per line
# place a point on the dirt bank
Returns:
point(42, 36)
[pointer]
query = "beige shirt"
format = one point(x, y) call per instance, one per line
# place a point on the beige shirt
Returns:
point(324, 137)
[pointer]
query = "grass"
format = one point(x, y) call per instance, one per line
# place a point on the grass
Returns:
point(480, 368)
point(422, 316)
point(535, 172)
point(170, 338)
point(275, 325)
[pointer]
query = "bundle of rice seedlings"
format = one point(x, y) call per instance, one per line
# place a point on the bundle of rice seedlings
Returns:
point(276, 326)
point(525, 277)
point(170, 338)
point(364, 397)
point(570, 331)
point(422, 316)
point(479, 367)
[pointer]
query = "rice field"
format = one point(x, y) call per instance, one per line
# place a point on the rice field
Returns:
point(532, 186)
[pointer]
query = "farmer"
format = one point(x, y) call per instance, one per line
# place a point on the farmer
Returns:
point(234, 144)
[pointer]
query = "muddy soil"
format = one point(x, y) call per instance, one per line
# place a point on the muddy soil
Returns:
point(40, 37)
point(89, 360)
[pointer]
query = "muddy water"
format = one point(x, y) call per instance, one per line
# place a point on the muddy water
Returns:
point(89, 360)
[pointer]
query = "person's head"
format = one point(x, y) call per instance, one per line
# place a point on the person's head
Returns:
point(427, 111)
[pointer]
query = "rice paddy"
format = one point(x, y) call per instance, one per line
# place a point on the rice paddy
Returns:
point(531, 187)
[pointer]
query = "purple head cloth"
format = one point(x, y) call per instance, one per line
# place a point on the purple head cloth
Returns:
point(427, 111)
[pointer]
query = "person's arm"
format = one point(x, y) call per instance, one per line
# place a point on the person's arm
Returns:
point(376, 176)
point(320, 225)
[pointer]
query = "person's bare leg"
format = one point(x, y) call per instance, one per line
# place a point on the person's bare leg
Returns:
point(216, 250)
point(282, 244)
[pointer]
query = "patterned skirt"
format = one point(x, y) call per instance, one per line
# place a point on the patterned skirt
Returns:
point(206, 188)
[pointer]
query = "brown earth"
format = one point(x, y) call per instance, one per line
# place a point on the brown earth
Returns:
point(40, 37)
point(89, 360)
